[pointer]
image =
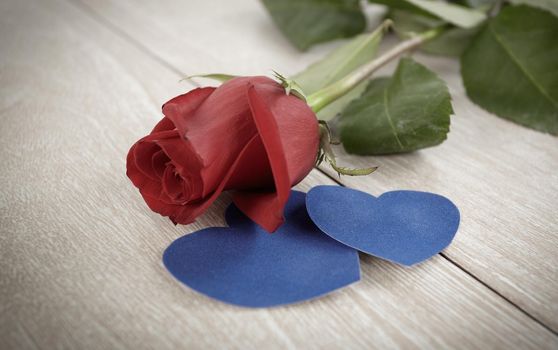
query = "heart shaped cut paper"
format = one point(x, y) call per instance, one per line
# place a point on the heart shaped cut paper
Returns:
point(406, 227)
point(245, 265)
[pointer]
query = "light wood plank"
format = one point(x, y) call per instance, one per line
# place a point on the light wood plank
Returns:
point(502, 176)
point(503, 179)
point(80, 253)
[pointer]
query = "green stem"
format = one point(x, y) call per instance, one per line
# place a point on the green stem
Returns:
point(332, 92)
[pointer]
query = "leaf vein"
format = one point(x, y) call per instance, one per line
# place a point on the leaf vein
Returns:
point(390, 121)
point(516, 61)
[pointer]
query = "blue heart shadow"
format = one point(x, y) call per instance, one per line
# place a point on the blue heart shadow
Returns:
point(405, 227)
point(245, 265)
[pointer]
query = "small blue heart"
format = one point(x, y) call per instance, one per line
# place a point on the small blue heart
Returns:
point(245, 265)
point(405, 227)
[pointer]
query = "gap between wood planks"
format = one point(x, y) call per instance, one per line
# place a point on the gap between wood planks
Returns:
point(121, 33)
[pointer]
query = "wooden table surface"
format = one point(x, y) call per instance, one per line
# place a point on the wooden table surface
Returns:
point(80, 253)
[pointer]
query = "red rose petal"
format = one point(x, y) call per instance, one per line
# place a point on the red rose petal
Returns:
point(298, 130)
point(184, 157)
point(162, 208)
point(143, 158)
point(172, 184)
point(164, 124)
point(159, 162)
point(253, 171)
point(191, 211)
point(266, 209)
point(184, 105)
point(138, 178)
point(218, 129)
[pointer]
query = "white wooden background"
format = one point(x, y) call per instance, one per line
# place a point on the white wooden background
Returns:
point(80, 253)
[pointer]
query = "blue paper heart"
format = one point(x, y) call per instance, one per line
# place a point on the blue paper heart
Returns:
point(247, 266)
point(405, 227)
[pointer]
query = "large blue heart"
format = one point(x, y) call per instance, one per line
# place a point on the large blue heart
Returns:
point(405, 227)
point(244, 265)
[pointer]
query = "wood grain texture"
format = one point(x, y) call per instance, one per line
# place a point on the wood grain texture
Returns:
point(502, 176)
point(503, 179)
point(80, 254)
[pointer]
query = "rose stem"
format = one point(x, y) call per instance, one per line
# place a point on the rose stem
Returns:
point(332, 92)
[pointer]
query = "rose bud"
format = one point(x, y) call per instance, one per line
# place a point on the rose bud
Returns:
point(247, 136)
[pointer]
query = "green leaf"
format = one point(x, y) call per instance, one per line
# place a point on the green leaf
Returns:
point(341, 170)
point(452, 42)
point(550, 5)
point(455, 14)
point(333, 109)
point(479, 3)
point(337, 65)
point(341, 61)
point(511, 68)
point(402, 113)
point(215, 76)
point(308, 22)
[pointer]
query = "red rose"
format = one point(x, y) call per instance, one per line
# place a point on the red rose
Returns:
point(246, 135)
